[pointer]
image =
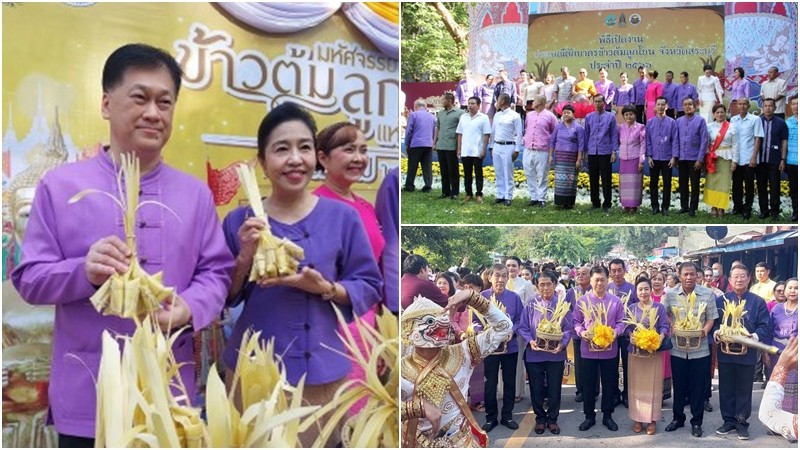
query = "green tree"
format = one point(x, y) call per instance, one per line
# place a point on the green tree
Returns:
point(433, 40)
point(444, 247)
point(642, 240)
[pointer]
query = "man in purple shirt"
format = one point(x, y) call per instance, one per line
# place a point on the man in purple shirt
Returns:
point(683, 90)
point(71, 249)
point(464, 89)
point(669, 89)
point(693, 142)
point(639, 90)
point(627, 294)
point(419, 140)
point(505, 358)
point(603, 361)
point(601, 140)
point(662, 154)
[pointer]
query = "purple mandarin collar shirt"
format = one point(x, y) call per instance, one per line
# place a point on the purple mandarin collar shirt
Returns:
point(624, 95)
point(570, 139)
point(190, 250)
point(668, 92)
point(662, 138)
point(681, 92)
point(616, 314)
point(625, 288)
point(692, 138)
point(513, 305)
point(662, 323)
point(527, 329)
point(304, 325)
point(419, 129)
point(640, 89)
point(539, 127)
point(388, 212)
point(601, 133)
point(631, 141)
point(464, 90)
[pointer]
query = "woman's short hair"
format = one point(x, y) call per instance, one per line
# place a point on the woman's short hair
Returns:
point(285, 112)
point(334, 136)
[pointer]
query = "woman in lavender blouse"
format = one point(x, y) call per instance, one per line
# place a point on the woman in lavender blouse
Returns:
point(783, 318)
point(338, 270)
point(645, 374)
point(740, 88)
point(623, 95)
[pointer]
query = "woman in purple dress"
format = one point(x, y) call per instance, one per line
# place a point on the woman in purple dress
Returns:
point(606, 88)
point(631, 160)
point(485, 92)
point(338, 269)
point(566, 143)
point(784, 325)
point(623, 95)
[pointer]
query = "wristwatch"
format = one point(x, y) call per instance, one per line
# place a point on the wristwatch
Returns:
point(328, 295)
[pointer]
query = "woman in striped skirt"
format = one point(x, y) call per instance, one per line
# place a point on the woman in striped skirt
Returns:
point(631, 159)
point(566, 143)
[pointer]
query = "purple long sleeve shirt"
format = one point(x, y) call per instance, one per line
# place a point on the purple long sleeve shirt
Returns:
point(616, 315)
point(464, 90)
point(530, 321)
point(190, 250)
point(669, 91)
point(570, 139)
point(639, 90)
point(624, 95)
point(625, 288)
point(607, 90)
point(662, 323)
point(682, 91)
point(514, 307)
point(631, 141)
point(419, 129)
point(662, 138)
point(740, 88)
point(692, 138)
point(601, 133)
point(304, 325)
point(387, 208)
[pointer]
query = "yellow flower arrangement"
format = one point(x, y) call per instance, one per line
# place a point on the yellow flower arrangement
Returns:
point(644, 336)
point(603, 336)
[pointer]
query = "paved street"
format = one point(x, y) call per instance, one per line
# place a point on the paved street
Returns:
point(599, 436)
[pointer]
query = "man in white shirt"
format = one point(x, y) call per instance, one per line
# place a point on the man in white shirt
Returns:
point(506, 143)
point(473, 134)
point(775, 88)
point(750, 131)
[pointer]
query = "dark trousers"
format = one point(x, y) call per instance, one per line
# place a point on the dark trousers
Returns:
point(600, 167)
point(553, 373)
point(67, 441)
point(473, 164)
point(491, 366)
point(608, 378)
point(688, 174)
point(578, 364)
point(713, 349)
point(768, 175)
point(660, 169)
point(688, 377)
point(744, 188)
point(522, 113)
point(640, 114)
point(791, 172)
point(448, 166)
point(417, 155)
point(622, 343)
point(736, 392)
point(670, 112)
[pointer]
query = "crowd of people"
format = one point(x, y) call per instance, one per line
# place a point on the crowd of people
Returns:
point(566, 124)
point(657, 296)
point(350, 247)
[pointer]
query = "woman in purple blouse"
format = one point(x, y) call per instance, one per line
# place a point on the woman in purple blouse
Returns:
point(566, 144)
point(631, 160)
point(740, 88)
point(486, 92)
point(338, 270)
point(645, 374)
point(783, 318)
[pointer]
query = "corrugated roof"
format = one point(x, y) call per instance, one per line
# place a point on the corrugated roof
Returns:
point(767, 240)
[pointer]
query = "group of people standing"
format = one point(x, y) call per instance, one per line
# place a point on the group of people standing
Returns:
point(675, 369)
point(665, 126)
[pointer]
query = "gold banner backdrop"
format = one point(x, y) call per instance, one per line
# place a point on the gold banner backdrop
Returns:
point(53, 56)
point(676, 39)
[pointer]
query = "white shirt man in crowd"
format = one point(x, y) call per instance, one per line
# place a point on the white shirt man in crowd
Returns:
point(473, 134)
point(506, 143)
point(750, 131)
point(775, 88)
point(564, 85)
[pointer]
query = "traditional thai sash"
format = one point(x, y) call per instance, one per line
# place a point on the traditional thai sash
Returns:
point(435, 371)
point(711, 156)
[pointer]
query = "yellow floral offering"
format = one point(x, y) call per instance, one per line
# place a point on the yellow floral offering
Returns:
point(603, 336)
point(644, 336)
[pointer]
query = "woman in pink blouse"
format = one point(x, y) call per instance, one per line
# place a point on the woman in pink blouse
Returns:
point(654, 90)
point(631, 159)
point(342, 153)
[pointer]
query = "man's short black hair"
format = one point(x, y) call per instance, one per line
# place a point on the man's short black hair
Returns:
point(414, 264)
point(139, 56)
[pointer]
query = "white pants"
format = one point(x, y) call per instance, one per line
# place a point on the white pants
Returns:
point(537, 167)
point(504, 170)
